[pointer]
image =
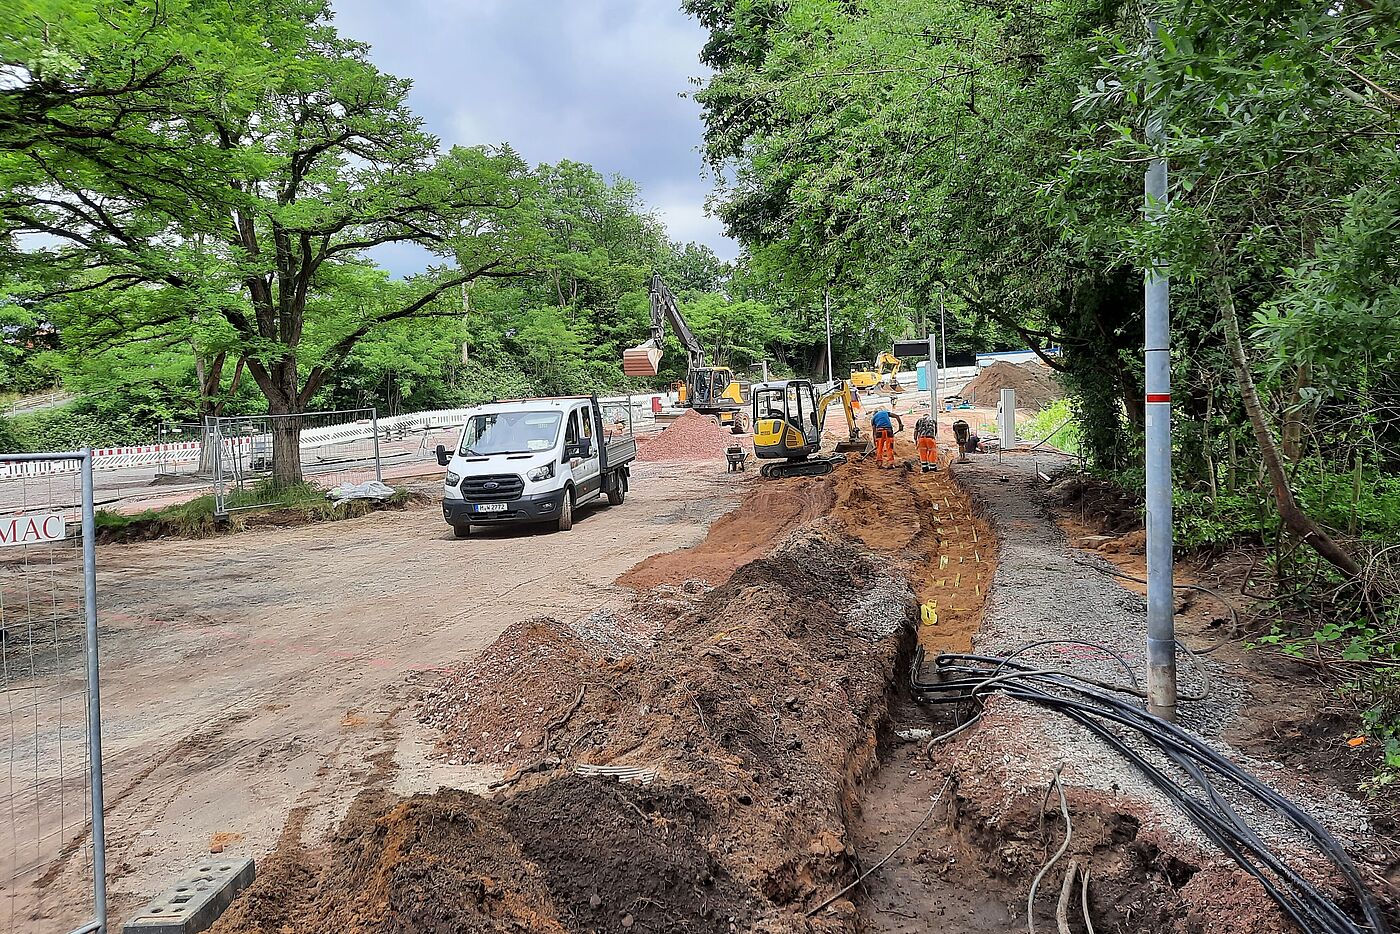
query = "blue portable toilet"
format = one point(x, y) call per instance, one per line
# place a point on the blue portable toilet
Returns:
point(921, 369)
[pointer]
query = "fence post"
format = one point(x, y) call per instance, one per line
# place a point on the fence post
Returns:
point(378, 470)
point(94, 711)
point(216, 435)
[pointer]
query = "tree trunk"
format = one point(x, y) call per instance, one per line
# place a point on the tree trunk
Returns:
point(1208, 445)
point(281, 385)
point(1293, 416)
point(1294, 518)
point(286, 450)
point(1232, 477)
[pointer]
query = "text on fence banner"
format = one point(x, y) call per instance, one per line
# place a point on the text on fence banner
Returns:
point(31, 530)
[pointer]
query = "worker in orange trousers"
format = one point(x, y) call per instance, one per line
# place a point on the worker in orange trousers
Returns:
point(882, 423)
point(926, 437)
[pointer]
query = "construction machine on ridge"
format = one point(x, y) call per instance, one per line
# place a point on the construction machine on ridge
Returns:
point(709, 390)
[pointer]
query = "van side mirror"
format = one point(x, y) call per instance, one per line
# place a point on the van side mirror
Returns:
point(581, 448)
point(444, 458)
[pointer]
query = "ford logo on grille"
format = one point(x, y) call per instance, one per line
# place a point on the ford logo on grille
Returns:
point(491, 484)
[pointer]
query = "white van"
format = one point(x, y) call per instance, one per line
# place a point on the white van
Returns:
point(536, 460)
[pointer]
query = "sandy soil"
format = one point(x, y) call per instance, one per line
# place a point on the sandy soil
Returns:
point(264, 676)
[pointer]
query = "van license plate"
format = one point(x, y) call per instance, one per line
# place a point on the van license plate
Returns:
point(491, 507)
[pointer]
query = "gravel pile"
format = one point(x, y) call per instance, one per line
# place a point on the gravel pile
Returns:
point(692, 437)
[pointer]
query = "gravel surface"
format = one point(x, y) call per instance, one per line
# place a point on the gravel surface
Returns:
point(1044, 590)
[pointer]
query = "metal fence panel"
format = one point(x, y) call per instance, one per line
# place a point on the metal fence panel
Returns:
point(183, 450)
point(50, 711)
point(333, 448)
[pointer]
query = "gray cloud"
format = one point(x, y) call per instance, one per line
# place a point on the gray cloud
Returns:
point(597, 81)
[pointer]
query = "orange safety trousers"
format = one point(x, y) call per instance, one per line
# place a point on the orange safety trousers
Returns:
point(928, 451)
point(884, 447)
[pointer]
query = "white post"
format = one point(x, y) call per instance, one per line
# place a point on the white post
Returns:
point(1008, 419)
point(932, 373)
point(942, 328)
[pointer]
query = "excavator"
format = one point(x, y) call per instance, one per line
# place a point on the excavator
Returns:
point(709, 390)
point(788, 418)
point(866, 375)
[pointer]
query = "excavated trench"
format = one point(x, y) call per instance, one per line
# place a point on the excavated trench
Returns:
point(762, 716)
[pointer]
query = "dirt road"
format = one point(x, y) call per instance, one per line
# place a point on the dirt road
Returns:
point(267, 674)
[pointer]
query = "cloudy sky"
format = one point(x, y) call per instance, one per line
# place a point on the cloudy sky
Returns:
point(598, 81)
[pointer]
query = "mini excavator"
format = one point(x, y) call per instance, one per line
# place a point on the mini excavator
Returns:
point(788, 417)
point(866, 375)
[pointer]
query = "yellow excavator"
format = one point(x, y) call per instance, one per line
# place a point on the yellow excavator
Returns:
point(788, 418)
point(709, 390)
point(866, 375)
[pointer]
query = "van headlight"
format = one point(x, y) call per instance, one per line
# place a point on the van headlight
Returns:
point(542, 473)
point(453, 479)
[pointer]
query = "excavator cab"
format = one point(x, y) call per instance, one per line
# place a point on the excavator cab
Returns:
point(713, 390)
point(864, 375)
point(785, 419)
point(788, 417)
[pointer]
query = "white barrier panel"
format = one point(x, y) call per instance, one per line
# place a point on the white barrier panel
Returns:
point(147, 455)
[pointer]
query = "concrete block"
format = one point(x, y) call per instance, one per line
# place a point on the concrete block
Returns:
point(196, 899)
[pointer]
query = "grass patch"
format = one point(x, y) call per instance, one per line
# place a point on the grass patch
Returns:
point(267, 503)
point(1057, 425)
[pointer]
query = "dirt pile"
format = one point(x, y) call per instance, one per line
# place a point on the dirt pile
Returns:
point(1036, 386)
point(773, 510)
point(757, 708)
point(618, 857)
point(440, 864)
point(692, 437)
point(756, 703)
point(498, 708)
point(1099, 503)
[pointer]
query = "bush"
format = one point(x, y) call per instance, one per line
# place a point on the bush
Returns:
point(68, 428)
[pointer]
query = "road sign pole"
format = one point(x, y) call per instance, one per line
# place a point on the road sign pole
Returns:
point(1161, 625)
point(932, 377)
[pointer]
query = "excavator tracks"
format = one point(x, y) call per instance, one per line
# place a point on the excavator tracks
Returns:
point(812, 467)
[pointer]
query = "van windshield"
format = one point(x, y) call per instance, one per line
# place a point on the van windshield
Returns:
point(510, 433)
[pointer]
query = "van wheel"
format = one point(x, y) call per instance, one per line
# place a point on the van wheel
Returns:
point(566, 511)
point(616, 492)
point(462, 531)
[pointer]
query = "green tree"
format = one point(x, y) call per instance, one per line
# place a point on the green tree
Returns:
point(256, 153)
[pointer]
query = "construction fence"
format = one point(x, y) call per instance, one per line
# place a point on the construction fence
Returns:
point(332, 449)
point(50, 711)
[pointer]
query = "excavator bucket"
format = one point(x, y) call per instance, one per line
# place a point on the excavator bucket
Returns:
point(854, 446)
point(642, 360)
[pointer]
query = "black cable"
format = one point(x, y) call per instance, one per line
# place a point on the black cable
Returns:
point(964, 677)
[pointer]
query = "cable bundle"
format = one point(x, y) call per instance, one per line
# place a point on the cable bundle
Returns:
point(1099, 708)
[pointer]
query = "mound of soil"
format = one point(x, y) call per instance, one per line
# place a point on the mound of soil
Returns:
point(773, 510)
point(497, 708)
point(1100, 504)
point(618, 857)
point(439, 864)
point(1036, 386)
point(755, 702)
point(692, 437)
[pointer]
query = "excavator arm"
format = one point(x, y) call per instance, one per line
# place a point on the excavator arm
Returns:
point(645, 358)
point(841, 393)
point(889, 360)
